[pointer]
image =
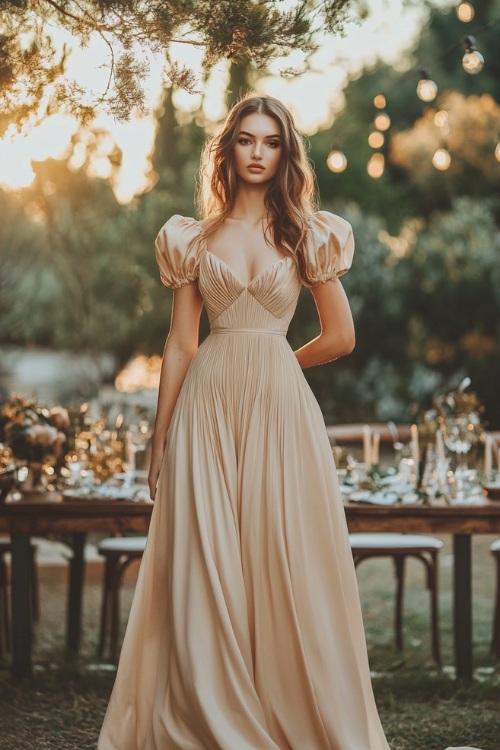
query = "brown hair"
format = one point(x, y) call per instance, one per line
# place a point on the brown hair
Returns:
point(291, 197)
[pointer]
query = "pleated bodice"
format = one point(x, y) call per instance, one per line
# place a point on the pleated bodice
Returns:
point(267, 303)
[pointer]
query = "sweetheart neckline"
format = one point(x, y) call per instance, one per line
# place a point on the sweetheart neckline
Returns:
point(261, 273)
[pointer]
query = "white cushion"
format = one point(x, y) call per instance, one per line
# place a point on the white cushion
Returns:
point(495, 547)
point(123, 544)
point(379, 541)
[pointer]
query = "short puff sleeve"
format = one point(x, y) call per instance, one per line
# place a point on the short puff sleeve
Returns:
point(329, 248)
point(177, 249)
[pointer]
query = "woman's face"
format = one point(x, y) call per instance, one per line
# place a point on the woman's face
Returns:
point(257, 151)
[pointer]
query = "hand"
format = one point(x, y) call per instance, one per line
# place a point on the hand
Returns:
point(153, 475)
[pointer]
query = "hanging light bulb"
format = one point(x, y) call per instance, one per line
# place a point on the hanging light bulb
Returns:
point(441, 118)
point(426, 89)
point(376, 139)
point(441, 159)
point(497, 151)
point(336, 161)
point(465, 12)
point(472, 61)
point(382, 121)
point(380, 102)
point(376, 165)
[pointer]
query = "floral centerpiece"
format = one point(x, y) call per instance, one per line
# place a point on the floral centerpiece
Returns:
point(35, 435)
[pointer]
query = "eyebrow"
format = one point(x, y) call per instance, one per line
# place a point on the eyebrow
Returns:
point(244, 132)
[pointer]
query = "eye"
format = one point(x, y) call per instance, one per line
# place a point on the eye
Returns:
point(243, 141)
point(274, 144)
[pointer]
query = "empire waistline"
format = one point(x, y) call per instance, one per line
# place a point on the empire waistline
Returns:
point(248, 330)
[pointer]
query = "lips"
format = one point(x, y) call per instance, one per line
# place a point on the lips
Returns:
point(256, 167)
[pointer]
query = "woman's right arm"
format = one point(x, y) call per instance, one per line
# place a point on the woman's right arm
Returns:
point(180, 347)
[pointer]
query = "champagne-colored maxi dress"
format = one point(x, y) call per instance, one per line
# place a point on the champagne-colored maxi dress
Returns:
point(245, 631)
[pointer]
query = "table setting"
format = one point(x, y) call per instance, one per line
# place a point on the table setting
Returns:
point(71, 452)
point(448, 459)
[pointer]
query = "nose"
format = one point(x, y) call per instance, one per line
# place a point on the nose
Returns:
point(256, 151)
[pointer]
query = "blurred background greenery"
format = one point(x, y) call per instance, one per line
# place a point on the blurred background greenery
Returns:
point(78, 271)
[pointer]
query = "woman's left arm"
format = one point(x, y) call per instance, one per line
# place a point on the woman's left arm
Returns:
point(337, 336)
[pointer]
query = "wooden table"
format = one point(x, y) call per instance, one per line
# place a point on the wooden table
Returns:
point(39, 515)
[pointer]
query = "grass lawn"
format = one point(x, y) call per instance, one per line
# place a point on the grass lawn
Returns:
point(421, 707)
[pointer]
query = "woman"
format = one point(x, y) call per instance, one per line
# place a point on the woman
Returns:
point(245, 632)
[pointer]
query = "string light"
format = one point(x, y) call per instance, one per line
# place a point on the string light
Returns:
point(441, 159)
point(336, 161)
point(441, 119)
point(465, 12)
point(376, 165)
point(376, 139)
point(382, 121)
point(472, 61)
point(426, 89)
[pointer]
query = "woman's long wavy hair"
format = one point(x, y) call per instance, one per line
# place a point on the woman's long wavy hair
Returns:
point(291, 197)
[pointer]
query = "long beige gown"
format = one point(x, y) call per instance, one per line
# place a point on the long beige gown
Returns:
point(245, 631)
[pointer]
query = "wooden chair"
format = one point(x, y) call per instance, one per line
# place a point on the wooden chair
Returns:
point(495, 640)
point(396, 546)
point(399, 547)
point(5, 627)
point(118, 553)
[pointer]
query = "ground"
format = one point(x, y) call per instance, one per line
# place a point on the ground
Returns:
point(422, 708)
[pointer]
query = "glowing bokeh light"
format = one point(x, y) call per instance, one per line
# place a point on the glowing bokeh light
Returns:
point(382, 121)
point(336, 161)
point(426, 90)
point(376, 139)
point(473, 62)
point(376, 166)
point(380, 102)
point(465, 12)
point(441, 118)
point(441, 159)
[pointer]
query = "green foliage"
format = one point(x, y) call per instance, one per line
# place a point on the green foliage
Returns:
point(259, 31)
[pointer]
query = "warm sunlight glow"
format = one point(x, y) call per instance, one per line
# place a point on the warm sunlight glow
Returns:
point(50, 139)
point(313, 97)
point(139, 374)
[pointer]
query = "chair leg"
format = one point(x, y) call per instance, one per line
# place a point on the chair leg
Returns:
point(399, 564)
point(5, 644)
point(115, 611)
point(35, 596)
point(106, 601)
point(495, 640)
point(432, 582)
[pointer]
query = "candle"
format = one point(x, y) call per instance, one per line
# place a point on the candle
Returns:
point(488, 457)
point(439, 446)
point(414, 449)
point(375, 448)
point(367, 439)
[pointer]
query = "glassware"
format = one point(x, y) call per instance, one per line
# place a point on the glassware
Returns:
point(137, 439)
point(459, 436)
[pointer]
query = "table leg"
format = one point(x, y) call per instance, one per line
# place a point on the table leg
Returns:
point(75, 592)
point(462, 606)
point(21, 606)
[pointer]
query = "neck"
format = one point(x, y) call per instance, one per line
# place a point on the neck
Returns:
point(249, 204)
